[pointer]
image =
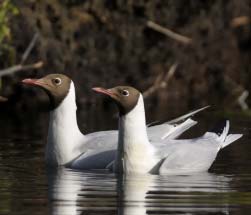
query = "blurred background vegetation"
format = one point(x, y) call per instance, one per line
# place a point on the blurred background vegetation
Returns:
point(110, 42)
point(7, 10)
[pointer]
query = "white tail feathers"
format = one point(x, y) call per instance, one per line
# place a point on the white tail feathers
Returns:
point(224, 133)
point(230, 138)
point(225, 139)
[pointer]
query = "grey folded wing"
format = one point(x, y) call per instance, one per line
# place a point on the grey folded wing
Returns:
point(158, 133)
point(99, 149)
point(173, 128)
point(94, 159)
point(186, 156)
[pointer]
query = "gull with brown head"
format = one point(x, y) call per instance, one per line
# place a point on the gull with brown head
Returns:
point(136, 154)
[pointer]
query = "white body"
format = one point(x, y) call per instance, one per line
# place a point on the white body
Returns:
point(138, 154)
point(64, 134)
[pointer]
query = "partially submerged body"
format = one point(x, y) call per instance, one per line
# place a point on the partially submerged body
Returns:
point(136, 154)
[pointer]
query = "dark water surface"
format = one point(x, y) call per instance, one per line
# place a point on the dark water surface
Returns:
point(26, 187)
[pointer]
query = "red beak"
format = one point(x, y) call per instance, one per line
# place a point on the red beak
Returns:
point(103, 91)
point(34, 82)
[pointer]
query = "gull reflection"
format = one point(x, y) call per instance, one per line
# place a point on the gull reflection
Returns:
point(132, 193)
point(187, 194)
point(197, 193)
point(200, 182)
point(73, 193)
point(64, 187)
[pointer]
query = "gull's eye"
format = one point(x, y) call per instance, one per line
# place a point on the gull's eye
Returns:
point(125, 93)
point(57, 81)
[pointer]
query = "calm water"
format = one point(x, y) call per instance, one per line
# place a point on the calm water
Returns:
point(26, 187)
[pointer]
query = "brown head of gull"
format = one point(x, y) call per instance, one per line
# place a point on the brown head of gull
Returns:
point(57, 86)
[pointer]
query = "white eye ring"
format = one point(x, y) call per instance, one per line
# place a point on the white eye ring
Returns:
point(57, 81)
point(125, 93)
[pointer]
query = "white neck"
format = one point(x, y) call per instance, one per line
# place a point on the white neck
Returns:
point(135, 153)
point(64, 134)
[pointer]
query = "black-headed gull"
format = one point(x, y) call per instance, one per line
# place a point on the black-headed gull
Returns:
point(136, 154)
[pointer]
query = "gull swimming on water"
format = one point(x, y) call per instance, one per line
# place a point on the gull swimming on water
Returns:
point(136, 154)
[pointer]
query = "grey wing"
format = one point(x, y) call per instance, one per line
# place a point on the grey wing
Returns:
point(166, 131)
point(186, 156)
point(186, 116)
point(94, 159)
point(98, 150)
point(105, 140)
point(174, 128)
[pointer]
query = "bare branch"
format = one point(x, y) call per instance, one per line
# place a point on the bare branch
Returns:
point(238, 92)
point(154, 87)
point(240, 21)
point(242, 100)
point(169, 76)
point(20, 67)
point(161, 81)
point(29, 48)
point(13, 69)
point(173, 35)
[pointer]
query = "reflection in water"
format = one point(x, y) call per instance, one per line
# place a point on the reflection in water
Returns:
point(203, 192)
point(132, 192)
point(72, 192)
point(64, 187)
point(201, 182)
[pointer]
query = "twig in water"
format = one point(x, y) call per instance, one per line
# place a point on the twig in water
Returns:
point(173, 35)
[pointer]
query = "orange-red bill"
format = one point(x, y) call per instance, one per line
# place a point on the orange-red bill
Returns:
point(30, 81)
point(103, 91)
